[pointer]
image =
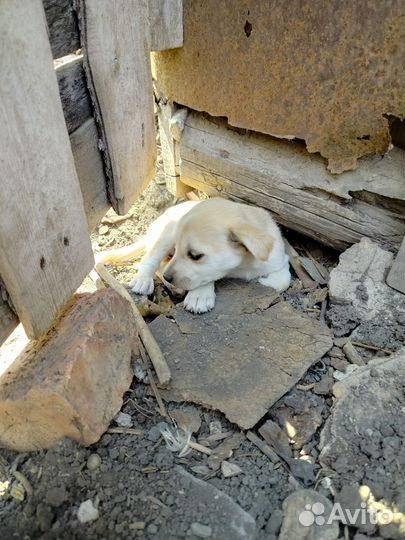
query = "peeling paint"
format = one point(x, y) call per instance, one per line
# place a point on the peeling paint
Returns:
point(324, 72)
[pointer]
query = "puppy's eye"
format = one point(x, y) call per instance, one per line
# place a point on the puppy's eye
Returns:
point(194, 256)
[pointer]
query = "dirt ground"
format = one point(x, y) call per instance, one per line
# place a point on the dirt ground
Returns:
point(137, 483)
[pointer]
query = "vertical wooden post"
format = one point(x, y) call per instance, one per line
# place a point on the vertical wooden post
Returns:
point(45, 249)
point(115, 40)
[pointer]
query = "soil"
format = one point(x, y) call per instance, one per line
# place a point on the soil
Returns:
point(136, 484)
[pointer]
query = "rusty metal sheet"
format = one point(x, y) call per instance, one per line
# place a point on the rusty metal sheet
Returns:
point(325, 72)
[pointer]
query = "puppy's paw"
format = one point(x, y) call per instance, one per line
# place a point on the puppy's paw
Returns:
point(142, 285)
point(280, 281)
point(200, 300)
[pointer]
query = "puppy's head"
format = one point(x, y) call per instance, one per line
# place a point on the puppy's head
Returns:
point(210, 244)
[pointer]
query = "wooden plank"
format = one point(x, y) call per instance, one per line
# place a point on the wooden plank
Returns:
point(396, 276)
point(117, 63)
point(90, 171)
point(45, 249)
point(73, 91)
point(165, 24)
point(63, 28)
point(294, 185)
point(170, 153)
point(8, 319)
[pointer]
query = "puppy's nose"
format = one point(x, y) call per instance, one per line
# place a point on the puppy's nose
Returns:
point(168, 278)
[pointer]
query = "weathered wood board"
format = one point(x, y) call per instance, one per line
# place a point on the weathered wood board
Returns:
point(62, 25)
point(90, 171)
point(283, 177)
point(165, 24)
point(8, 319)
point(73, 91)
point(117, 62)
point(45, 249)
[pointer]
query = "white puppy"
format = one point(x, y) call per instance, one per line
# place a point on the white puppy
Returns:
point(208, 240)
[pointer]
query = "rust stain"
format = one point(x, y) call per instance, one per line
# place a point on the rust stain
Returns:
point(325, 72)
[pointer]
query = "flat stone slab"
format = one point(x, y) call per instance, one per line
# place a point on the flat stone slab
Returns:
point(363, 439)
point(241, 357)
point(71, 383)
point(358, 289)
point(396, 276)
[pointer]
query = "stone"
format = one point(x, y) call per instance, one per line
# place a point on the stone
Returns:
point(350, 498)
point(226, 518)
point(274, 523)
point(246, 347)
point(70, 383)
point(56, 496)
point(276, 438)
point(396, 276)
point(93, 462)
point(230, 469)
point(358, 285)
point(87, 512)
point(200, 530)
point(363, 440)
point(45, 516)
point(123, 420)
point(187, 419)
point(305, 515)
point(155, 432)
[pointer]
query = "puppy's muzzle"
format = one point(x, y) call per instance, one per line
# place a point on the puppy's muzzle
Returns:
point(168, 277)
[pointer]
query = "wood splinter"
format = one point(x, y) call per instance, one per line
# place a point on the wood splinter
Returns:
point(151, 346)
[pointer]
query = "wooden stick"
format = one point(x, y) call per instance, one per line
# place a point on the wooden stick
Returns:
point(295, 262)
point(352, 355)
point(264, 447)
point(370, 347)
point(155, 390)
point(153, 349)
point(200, 448)
point(126, 431)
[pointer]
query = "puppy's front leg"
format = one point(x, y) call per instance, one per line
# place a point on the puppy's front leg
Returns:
point(143, 283)
point(200, 300)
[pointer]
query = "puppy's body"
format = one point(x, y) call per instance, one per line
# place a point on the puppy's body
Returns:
point(209, 240)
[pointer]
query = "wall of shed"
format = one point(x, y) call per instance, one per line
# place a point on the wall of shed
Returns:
point(325, 72)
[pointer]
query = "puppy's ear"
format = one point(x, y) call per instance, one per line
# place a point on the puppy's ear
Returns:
point(253, 240)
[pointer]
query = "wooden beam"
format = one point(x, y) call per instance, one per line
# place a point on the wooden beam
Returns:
point(63, 27)
point(45, 249)
point(73, 91)
point(283, 177)
point(90, 171)
point(165, 24)
point(117, 62)
point(8, 319)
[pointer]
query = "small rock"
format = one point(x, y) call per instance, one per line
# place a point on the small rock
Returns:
point(230, 469)
point(340, 364)
point(200, 530)
point(335, 352)
point(87, 512)
point(339, 375)
point(340, 341)
point(137, 526)
point(17, 491)
point(103, 229)
point(152, 528)
point(56, 496)
point(93, 462)
point(203, 470)
point(155, 431)
point(274, 523)
point(187, 419)
point(305, 514)
point(45, 516)
point(123, 420)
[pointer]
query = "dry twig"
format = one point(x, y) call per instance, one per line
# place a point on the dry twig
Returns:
point(153, 349)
